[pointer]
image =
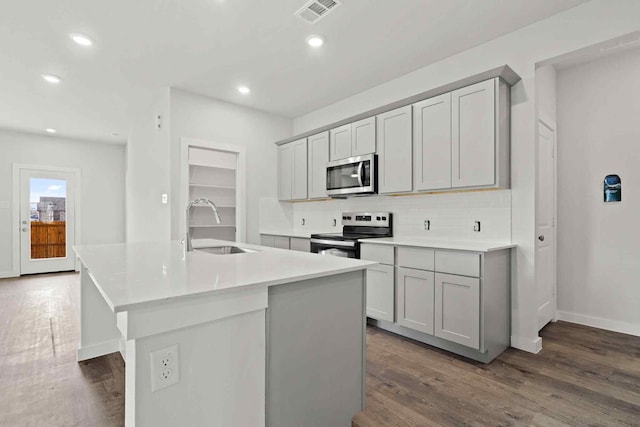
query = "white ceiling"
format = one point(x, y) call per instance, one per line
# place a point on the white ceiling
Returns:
point(211, 46)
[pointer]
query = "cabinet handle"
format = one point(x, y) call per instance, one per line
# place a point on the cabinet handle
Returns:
point(541, 238)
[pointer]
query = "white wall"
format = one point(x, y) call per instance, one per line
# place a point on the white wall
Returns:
point(149, 176)
point(598, 243)
point(546, 94)
point(200, 117)
point(582, 26)
point(102, 179)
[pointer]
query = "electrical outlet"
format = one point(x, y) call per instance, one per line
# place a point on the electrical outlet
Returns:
point(476, 226)
point(165, 199)
point(165, 368)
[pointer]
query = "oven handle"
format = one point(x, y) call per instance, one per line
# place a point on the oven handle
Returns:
point(334, 243)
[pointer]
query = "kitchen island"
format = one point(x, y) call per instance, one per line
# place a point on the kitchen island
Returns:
point(262, 337)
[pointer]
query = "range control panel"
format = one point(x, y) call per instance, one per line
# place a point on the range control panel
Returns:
point(371, 219)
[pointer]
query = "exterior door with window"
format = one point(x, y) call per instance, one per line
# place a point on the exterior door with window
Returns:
point(47, 221)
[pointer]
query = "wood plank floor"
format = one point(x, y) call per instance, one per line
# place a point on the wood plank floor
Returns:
point(582, 377)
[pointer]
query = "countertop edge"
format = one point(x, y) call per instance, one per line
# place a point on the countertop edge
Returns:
point(238, 288)
point(116, 308)
point(463, 246)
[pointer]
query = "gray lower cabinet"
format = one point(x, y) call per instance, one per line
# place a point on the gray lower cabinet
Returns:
point(457, 309)
point(299, 244)
point(315, 362)
point(453, 299)
point(380, 292)
point(285, 242)
point(415, 299)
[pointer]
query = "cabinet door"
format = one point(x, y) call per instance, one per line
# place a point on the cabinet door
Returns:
point(473, 135)
point(299, 179)
point(267, 240)
point(363, 136)
point(432, 144)
point(415, 299)
point(394, 150)
point(281, 242)
point(340, 142)
point(285, 171)
point(380, 292)
point(457, 309)
point(299, 244)
point(318, 157)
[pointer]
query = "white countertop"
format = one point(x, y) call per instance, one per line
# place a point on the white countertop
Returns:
point(132, 275)
point(441, 244)
point(302, 234)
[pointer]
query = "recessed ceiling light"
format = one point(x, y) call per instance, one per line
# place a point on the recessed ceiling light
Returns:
point(50, 130)
point(81, 39)
point(315, 40)
point(51, 78)
point(244, 90)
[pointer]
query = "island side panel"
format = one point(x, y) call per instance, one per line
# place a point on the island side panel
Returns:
point(99, 334)
point(315, 347)
point(222, 375)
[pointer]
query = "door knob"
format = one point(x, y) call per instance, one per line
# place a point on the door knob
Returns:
point(24, 229)
point(541, 238)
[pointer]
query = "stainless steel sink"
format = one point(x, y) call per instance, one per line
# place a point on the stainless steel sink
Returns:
point(225, 250)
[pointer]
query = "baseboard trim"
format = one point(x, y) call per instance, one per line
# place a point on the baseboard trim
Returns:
point(599, 322)
point(526, 344)
point(97, 350)
point(8, 274)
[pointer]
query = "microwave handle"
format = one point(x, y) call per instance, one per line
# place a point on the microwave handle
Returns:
point(360, 168)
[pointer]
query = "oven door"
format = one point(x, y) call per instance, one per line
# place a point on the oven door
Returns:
point(355, 175)
point(339, 248)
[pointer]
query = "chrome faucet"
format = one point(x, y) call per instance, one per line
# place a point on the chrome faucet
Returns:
point(187, 239)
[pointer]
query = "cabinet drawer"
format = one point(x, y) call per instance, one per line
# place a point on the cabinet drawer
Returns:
point(300, 244)
point(379, 253)
point(281, 242)
point(415, 258)
point(267, 240)
point(463, 263)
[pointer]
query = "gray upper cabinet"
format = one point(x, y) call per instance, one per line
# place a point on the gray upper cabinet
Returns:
point(292, 170)
point(299, 187)
point(353, 139)
point(318, 148)
point(455, 140)
point(480, 135)
point(363, 137)
point(432, 143)
point(285, 171)
point(340, 142)
point(394, 150)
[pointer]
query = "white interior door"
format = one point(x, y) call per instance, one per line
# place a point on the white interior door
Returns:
point(47, 221)
point(545, 225)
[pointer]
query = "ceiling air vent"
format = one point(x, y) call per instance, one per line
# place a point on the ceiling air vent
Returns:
point(315, 10)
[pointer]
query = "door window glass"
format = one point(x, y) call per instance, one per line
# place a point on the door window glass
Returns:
point(47, 202)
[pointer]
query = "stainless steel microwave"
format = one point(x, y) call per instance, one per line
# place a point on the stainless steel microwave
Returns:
point(355, 175)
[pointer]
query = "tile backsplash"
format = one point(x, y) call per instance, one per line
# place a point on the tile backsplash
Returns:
point(452, 215)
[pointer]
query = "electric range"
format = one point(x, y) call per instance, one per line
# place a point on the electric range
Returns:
point(355, 226)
